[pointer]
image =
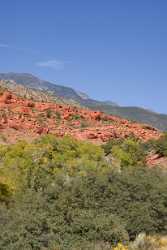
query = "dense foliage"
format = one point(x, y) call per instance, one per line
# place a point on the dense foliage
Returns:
point(65, 194)
point(129, 152)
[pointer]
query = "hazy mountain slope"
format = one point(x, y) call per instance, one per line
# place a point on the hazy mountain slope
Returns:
point(136, 114)
point(29, 93)
point(31, 81)
point(132, 113)
point(36, 94)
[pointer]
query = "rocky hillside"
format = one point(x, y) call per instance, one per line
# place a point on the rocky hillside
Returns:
point(133, 113)
point(23, 118)
point(34, 94)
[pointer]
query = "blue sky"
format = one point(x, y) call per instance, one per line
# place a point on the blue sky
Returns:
point(112, 49)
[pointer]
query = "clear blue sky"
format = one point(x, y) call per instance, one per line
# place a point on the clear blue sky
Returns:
point(112, 49)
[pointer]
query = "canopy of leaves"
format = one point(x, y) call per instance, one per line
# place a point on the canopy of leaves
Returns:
point(64, 194)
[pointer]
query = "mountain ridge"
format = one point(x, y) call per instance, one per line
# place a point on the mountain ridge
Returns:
point(133, 113)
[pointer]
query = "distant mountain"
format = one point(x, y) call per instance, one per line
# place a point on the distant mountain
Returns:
point(133, 113)
point(31, 81)
point(83, 95)
point(136, 114)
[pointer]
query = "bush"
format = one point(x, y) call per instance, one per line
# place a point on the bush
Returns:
point(62, 193)
point(58, 115)
point(48, 113)
point(128, 151)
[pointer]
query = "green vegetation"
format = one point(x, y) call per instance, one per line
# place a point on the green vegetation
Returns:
point(76, 117)
point(49, 113)
point(58, 116)
point(65, 194)
point(130, 152)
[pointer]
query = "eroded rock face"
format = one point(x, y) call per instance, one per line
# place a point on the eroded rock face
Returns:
point(6, 97)
point(154, 160)
point(39, 118)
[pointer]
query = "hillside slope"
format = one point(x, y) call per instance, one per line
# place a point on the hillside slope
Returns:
point(23, 118)
point(133, 113)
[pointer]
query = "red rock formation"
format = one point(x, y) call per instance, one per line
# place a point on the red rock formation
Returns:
point(6, 97)
point(154, 160)
point(32, 117)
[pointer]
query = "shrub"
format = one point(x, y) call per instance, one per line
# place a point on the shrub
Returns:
point(120, 247)
point(58, 115)
point(63, 193)
point(146, 242)
point(129, 151)
point(49, 113)
point(76, 117)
